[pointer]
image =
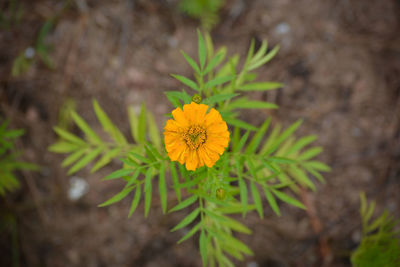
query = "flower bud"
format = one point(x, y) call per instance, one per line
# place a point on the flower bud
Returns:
point(196, 98)
point(221, 193)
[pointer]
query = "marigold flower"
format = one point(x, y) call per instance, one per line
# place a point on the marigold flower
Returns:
point(194, 137)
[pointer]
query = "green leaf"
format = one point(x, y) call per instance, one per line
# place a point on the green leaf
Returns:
point(218, 81)
point(175, 181)
point(236, 243)
point(203, 244)
point(201, 49)
point(301, 177)
point(107, 124)
point(68, 136)
point(190, 233)
point(252, 147)
point(73, 157)
point(133, 178)
point(261, 86)
point(272, 202)
point(117, 197)
point(281, 160)
point(236, 225)
point(302, 142)
point(241, 143)
point(118, 174)
point(142, 124)
point(186, 82)
point(186, 203)
point(242, 188)
point(310, 153)
point(191, 62)
point(90, 134)
point(240, 124)
point(257, 199)
point(162, 187)
point(135, 200)
point(285, 135)
point(244, 103)
point(264, 60)
point(147, 191)
point(63, 147)
point(215, 61)
point(318, 166)
point(219, 98)
point(85, 160)
point(105, 159)
point(187, 220)
point(292, 201)
point(154, 132)
point(139, 157)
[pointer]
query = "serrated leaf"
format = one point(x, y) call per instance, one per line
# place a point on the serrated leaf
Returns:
point(135, 200)
point(117, 197)
point(201, 49)
point(186, 203)
point(190, 233)
point(162, 187)
point(260, 86)
point(191, 62)
point(290, 200)
point(187, 220)
point(85, 160)
point(147, 191)
point(90, 134)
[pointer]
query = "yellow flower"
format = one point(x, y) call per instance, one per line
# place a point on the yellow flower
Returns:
point(195, 137)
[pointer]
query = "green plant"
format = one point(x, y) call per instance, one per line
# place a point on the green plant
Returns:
point(11, 13)
point(204, 10)
point(9, 162)
point(380, 243)
point(255, 164)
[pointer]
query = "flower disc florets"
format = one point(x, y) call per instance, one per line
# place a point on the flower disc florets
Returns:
point(195, 137)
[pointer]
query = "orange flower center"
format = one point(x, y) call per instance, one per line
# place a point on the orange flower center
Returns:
point(194, 136)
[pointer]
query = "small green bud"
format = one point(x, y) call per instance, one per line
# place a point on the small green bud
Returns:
point(196, 98)
point(221, 194)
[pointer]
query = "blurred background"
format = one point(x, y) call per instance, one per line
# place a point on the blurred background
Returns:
point(339, 61)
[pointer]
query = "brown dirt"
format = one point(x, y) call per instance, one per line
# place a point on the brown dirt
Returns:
point(339, 61)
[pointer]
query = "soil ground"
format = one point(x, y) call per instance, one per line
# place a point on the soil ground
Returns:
point(339, 61)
